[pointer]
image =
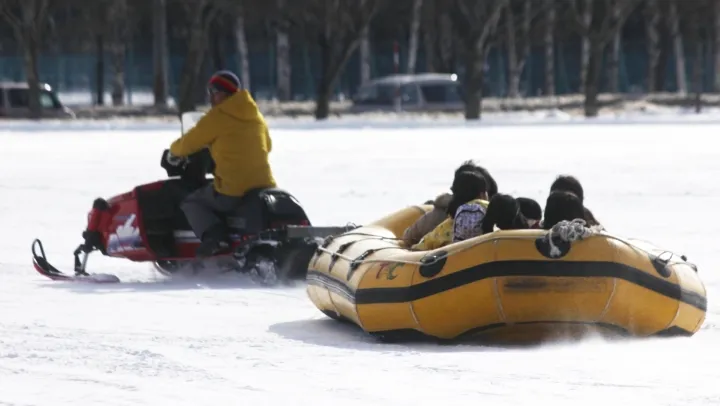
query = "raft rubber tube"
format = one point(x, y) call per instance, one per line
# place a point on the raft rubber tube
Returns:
point(503, 286)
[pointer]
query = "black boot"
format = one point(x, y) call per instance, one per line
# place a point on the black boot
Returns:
point(213, 242)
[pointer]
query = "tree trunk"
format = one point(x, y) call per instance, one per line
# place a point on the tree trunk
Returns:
point(446, 44)
point(118, 65)
point(429, 35)
point(242, 48)
point(592, 83)
point(473, 88)
point(31, 73)
point(614, 68)
point(652, 21)
point(334, 56)
point(513, 77)
point(118, 17)
point(100, 70)
point(414, 36)
point(665, 52)
point(698, 74)
point(477, 27)
point(585, 45)
point(160, 54)
point(716, 47)
point(325, 85)
point(550, 49)
point(284, 66)
point(677, 40)
point(519, 50)
point(365, 56)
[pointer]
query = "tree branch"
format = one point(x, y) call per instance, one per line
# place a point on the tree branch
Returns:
point(492, 21)
point(12, 19)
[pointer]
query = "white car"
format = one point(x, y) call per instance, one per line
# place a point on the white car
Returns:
point(14, 101)
point(426, 92)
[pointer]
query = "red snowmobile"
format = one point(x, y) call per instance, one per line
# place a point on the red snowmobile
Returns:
point(273, 239)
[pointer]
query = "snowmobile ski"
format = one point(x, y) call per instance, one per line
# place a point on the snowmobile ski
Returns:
point(43, 267)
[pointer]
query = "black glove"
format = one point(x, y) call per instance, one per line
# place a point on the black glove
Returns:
point(174, 160)
point(170, 163)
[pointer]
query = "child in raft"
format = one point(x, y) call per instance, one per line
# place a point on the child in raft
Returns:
point(568, 183)
point(465, 213)
point(508, 213)
point(562, 205)
point(427, 222)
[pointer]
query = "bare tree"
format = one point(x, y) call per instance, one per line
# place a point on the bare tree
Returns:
point(652, 26)
point(284, 66)
point(601, 29)
point(700, 12)
point(414, 35)
point(28, 19)
point(586, 18)
point(614, 65)
point(242, 45)
point(716, 45)
point(160, 53)
point(119, 23)
point(200, 14)
point(441, 45)
point(475, 22)
point(98, 27)
point(365, 56)
point(518, 40)
point(677, 38)
point(336, 27)
point(549, 40)
point(430, 34)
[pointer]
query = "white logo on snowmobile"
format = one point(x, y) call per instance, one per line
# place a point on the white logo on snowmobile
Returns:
point(126, 237)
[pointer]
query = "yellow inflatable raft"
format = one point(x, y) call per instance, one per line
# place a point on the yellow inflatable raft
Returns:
point(508, 286)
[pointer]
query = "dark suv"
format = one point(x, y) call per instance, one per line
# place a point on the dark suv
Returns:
point(14, 101)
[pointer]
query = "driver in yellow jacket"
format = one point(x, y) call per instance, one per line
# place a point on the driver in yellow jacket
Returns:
point(235, 132)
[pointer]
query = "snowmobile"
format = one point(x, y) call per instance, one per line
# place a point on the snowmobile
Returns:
point(272, 237)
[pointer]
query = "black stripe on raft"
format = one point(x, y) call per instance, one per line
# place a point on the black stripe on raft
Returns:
point(410, 335)
point(580, 269)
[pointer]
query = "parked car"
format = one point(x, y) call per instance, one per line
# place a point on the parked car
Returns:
point(426, 92)
point(15, 96)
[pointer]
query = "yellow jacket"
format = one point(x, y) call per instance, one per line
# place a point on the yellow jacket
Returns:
point(237, 136)
point(442, 235)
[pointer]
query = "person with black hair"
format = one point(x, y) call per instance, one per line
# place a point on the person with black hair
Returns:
point(562, 205)
point(568, 183)
point(438, 214)
point(464, 213)
point(532, 211)
point(472, 166)
point(504, 212)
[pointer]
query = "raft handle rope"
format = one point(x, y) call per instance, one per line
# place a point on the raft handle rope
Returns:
point(569, 231)
point(598, 231)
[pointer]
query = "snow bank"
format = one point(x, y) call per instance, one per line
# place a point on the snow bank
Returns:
point(670, 115)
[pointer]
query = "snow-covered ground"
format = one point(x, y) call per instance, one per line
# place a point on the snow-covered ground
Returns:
point(149, 342)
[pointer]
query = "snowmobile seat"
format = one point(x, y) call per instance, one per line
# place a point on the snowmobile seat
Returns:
point(266, 208)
